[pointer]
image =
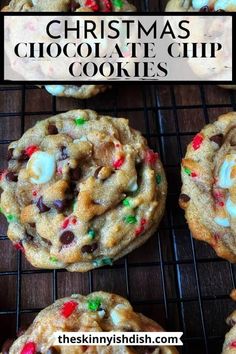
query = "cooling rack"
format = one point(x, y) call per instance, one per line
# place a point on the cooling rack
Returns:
point(173, 279)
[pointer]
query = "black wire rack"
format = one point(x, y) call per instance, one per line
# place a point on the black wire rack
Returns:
point(173, 279)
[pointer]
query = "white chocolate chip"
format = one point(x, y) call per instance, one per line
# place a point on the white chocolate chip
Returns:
point(55, 89)
point(41, 167)
point(117, 314)
point(101, 313)
point(133, 186)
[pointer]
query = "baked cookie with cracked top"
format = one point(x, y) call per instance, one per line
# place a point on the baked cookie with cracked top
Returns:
point(96, 312)
point(81, 190)
point(201, 5)
point(69, 6)
point(208, 68)
point(76, 91)
point(209, 186)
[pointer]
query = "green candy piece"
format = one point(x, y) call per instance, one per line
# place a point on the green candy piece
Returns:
point(1, 211)
point(80, 121)
point(91, 233)
point(103, 261)
point(107, 261)
point(126, 202)
point(130, 219)
point(118, 3)
point(94, 304)
point(11, 218)
point(187, 171)
point(53, 259)
point(158, 179)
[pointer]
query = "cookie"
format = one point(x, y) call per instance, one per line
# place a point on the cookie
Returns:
point(81, 190)
point(69, 5)
point(229, 346)
point(208, 68)
point(76, 91)
point(209, 186)
point(96, 312)
point(201, 5)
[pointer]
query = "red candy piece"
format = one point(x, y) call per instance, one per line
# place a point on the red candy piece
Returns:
point(74, 221)
point(197, 141)
point(108, 5)
point(233, 344)
point(68, 308)
point(19, 247)
point(29, 348)
point(30, 150)
point(118, 163)
point(143, 221)
point(92, 5)
point(140, 229)
point(193, 174)
point(151, 157)
point(2, 174)
point(65, 223)
point(34, 193)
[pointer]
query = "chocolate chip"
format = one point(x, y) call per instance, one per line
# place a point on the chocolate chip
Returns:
point(184, 198)
point(75, 174)
point(89, 248)
point(73, 5)
point(23, 157)
point(10, 154)
point(218, 139)
point(52, 350)
point(52, 129)
point(204, 9)
point(48, 242)
point(67, 237)
point(32, 224)
point(7, 345)
point(64, 154)
point(11, 177)
point(60, 205)
point(28, 237)
point(96, 173)
point(42, 207)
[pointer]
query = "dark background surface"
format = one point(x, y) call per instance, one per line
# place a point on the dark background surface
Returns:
point(176, 281)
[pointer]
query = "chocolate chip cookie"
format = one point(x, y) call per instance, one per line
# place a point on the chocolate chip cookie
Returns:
point(208, 68)
point(96, 312)
point(229, 346)
point(209, 186)
point(201, 5)
point(69, 5)
point(81, 190)
point(76, 91)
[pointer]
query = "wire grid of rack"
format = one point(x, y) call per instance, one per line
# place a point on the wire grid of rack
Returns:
point(173, 279)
